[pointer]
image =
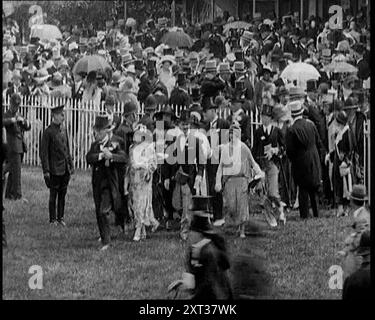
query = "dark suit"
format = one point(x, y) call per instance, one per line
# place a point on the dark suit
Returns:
point(105, 183)
point(302, 145)
point(57, 162)
point(16, 148)
point(213, 164)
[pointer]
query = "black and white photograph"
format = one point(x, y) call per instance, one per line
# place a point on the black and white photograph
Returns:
point(211, 151)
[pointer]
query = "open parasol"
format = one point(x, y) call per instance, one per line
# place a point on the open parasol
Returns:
point(301, 72)
point(236, 25)
point(90, 63)
point(45, 32)
point(176, 39)
point(339, 65)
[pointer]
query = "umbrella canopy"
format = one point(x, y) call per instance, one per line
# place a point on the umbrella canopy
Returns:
point(45, 32)
point(339, 65)
point(236, 25)
point(90, 63)
point(178, 39)
point(301, 72)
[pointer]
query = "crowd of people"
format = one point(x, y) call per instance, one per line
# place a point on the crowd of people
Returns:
point(307, 152)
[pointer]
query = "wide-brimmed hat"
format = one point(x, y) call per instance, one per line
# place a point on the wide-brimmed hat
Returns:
point(239, 66)
point(296, 108)
point(223, 68)
point(168, 58)
point(57, 109)
point(359, 192)
point(265, 70)
point(296, 93)
point(165, 110)
point(117, 77)
point(342, 118)
point(281, 113)
point(210, 66)
point(129, 108)
point(150, 103)
point(102, 122)
point(350, 103)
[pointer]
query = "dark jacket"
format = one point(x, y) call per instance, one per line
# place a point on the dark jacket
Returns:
point(15, 132)
point(104, 177)
point(302, 145)
point(358, 285)
point(125, 132)
point(261, 139)
point(54, 152)
point(180, 97)
point(313, 114)
point(211, 87)
point(209, 265)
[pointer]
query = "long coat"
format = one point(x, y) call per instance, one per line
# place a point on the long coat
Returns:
point(302, 145)
point(106, 177)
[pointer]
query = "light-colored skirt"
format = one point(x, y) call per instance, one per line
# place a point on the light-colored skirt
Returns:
point(236, 200)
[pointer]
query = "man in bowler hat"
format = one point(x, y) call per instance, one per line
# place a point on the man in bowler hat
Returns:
point(57, 164)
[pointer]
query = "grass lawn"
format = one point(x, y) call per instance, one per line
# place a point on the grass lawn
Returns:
point(297, 256)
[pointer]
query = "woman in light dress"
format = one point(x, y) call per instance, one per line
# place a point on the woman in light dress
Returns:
point(138, 182)
point(233, 177)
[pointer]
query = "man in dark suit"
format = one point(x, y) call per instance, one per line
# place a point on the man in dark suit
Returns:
point(57, 164)
point(239, 115)
point(268, 145)
point(215, 136)
point(15, 126)
point(302, 145)
point(105, 156)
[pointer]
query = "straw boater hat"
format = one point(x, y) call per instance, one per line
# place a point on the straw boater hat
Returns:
point(239, 66)
point(296, 93)
point(210, 66)
point(247, 36)
point(296, 108)
point(223, 68)
point(359, 192)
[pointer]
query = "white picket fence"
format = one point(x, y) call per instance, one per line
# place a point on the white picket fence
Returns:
point(79, 120)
